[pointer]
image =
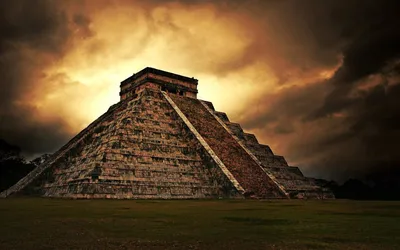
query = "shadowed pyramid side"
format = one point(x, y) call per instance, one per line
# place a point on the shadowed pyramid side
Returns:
point(290, 178)
point(249, 174)
point(56, 157)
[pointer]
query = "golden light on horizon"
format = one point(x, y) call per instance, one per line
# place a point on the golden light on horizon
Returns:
point(170, 39)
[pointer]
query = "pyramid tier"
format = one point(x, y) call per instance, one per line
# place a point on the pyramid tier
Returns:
point(140, 151)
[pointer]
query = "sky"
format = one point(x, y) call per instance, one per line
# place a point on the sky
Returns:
point(318, 81)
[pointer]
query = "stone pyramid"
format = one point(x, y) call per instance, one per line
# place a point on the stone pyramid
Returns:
point(160, 141)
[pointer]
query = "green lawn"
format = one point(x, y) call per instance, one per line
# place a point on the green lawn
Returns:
point(221, 224)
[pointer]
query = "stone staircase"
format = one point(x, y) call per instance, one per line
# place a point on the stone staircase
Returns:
point(243, 167)
point(291, 178)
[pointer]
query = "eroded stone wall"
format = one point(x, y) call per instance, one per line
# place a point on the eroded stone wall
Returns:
point(142, 150)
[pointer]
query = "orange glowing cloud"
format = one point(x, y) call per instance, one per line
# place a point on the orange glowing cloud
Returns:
point(190, 40)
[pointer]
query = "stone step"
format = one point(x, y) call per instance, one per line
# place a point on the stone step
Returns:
point(240, 164)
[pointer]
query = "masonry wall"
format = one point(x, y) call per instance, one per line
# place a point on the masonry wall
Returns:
point(142, 150)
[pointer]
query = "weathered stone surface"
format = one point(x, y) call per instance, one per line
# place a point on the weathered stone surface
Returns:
point(240, 164)
point(291, 178)
point(159, 141)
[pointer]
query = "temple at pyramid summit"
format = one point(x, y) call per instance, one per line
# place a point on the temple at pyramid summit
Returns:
point(161, 142)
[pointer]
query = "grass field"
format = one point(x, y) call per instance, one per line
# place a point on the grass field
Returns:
point(223, 224)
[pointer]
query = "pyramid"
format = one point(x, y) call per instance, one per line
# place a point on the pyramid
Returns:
point(161, 142)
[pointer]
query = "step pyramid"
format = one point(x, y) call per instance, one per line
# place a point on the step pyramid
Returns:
point(161, 142)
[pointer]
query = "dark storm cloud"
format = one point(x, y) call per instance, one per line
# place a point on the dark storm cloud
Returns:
point(310, 34)
point(34, 34)
point(369, 139)
point(373, 114)
point(373, 37)
point(361, 122)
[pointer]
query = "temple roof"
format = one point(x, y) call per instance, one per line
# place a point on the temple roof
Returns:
point(159, 72)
